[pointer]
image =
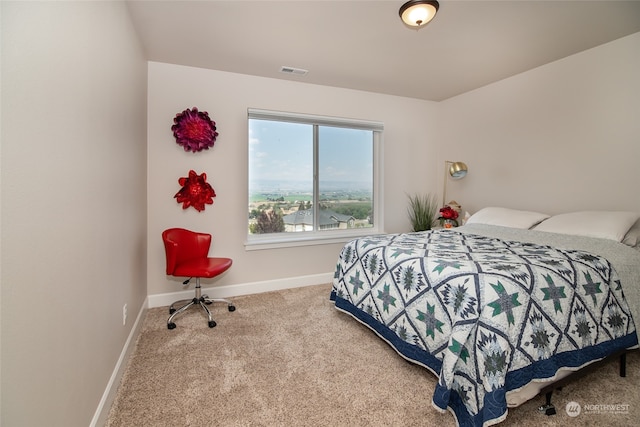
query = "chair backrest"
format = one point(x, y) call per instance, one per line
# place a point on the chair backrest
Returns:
point(181, 245)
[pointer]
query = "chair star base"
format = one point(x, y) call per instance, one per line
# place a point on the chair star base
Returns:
point(202, 300)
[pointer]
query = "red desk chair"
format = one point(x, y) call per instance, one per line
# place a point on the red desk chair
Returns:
point(187, 256)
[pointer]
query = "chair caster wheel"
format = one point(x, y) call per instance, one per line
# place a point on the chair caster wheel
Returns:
point(172, 310)
point(208, 302)
point(212, 323)
point(232, 308)
point(171, 325)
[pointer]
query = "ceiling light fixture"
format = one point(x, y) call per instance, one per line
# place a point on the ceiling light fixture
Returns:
point(418, 13)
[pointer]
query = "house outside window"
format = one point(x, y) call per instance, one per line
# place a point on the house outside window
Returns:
point(312, 179)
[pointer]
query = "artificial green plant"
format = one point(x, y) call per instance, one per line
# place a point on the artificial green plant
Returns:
point(423, 211)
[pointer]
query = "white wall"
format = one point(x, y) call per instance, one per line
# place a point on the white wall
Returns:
point(559, 138)
point(73, 193)
point(410, 164)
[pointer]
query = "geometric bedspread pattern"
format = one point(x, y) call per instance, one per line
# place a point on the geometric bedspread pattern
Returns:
point(485, 315)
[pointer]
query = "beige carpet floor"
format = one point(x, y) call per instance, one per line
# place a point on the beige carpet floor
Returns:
point(289, 358)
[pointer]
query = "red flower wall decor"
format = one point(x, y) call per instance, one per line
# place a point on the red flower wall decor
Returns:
point(194, 130)
point(195, 191)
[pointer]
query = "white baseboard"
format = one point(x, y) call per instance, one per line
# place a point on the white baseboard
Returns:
point(102, 412)
point(162, 300)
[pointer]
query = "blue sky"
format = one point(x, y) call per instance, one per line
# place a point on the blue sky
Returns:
point(284, 151)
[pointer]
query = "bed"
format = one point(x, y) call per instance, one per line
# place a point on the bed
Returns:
point(497, 310)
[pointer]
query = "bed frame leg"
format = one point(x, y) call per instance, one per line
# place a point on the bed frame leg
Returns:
point(548, 407)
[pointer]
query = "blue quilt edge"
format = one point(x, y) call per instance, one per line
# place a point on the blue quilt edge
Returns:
point(491, 413)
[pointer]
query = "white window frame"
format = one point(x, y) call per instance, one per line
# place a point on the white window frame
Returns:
point(281, 240)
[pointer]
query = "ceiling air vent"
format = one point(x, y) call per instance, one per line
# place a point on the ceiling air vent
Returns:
point(292, 70)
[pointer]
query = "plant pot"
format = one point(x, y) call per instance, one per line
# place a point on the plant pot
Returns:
point(449, 223)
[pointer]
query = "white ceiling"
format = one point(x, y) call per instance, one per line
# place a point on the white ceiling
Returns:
point(363, 44)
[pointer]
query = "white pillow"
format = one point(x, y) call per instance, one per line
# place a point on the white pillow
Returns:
point(506, 217)
point(632, 238)
point(602, 224)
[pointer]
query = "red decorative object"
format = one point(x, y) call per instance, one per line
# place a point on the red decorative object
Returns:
point(449, 217)
point(194, 130)
point(195, 191)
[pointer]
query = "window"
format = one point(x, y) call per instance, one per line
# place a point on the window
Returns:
point(312, 179)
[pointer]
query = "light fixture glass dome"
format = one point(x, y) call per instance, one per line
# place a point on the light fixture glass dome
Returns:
point(418, 13)
point(457, 170)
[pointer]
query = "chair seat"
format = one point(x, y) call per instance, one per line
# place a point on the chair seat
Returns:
point(202, 267)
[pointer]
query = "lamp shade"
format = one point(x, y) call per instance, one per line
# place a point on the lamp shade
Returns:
point(457, 170)
point(417, 13)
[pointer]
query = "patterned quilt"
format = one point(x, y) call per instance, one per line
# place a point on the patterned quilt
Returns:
point(486, 315)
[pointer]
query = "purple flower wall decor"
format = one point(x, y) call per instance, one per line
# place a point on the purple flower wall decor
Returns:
point(194, 130)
